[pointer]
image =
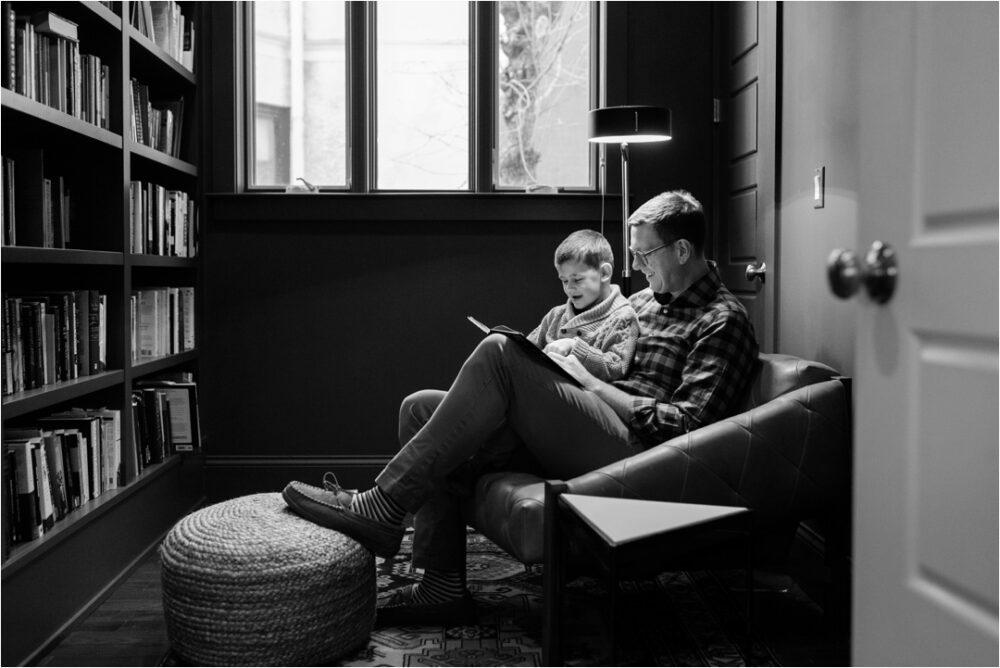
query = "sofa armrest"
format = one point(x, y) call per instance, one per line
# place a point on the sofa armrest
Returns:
point(787, 459)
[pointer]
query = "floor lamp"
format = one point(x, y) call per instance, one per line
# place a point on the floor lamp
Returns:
point(631, 124)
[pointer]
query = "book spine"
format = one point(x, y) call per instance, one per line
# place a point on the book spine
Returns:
point(94, 326)
point(10, 502)
point(43, 486)
point(9, 48)
point(57, 480)
point(29, 519)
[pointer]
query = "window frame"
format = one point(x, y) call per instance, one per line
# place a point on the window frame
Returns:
point(361, 94)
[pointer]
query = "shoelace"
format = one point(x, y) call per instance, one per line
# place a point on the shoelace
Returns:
point(330, 484)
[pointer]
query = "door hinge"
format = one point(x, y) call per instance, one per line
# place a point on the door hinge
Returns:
point(716, 110)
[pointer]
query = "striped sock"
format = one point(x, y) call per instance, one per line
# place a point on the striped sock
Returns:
point(439, 587)
point(377, 505)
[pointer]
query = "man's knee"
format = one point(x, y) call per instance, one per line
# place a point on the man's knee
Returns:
point(415, 411)
point(494, 346)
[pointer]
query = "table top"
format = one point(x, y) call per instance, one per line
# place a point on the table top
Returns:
point(619, 521)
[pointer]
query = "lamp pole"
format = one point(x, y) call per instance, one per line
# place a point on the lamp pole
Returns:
point(626, 256)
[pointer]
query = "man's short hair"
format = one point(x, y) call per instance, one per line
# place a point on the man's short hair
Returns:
point(674, 214)
point(585, 246)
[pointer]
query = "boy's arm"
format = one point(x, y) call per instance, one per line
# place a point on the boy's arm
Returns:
point(539, 335)
point(616, 339)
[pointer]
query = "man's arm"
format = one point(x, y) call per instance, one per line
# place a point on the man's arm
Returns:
point(715, 372)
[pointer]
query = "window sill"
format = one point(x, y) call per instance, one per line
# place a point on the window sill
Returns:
point(442, 207)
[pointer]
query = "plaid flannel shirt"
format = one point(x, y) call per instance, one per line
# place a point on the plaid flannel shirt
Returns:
point(695, 355)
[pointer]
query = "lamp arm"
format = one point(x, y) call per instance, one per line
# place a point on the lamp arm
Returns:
point(626, 256)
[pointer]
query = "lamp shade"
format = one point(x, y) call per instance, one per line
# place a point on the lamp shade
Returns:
point(630, 124)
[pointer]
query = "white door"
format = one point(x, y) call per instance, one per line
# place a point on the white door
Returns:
point(926, 441)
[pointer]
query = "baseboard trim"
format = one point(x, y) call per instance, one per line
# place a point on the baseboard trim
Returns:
point(100, 596)
point(294, 461)
point(230, 476)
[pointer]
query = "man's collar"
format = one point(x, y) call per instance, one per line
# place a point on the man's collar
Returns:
point(699, 293)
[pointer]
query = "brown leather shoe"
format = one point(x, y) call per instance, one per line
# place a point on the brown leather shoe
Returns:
point(396, 608)
point(325, 507)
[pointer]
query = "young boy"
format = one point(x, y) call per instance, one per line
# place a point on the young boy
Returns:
point(597, 324)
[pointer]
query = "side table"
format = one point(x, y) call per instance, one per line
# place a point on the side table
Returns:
point(629, 537)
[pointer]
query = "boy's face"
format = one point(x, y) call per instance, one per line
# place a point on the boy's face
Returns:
point(583, 284)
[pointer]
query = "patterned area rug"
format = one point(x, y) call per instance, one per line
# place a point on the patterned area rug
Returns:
point(676, 619)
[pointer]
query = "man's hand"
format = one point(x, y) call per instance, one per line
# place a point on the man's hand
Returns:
point(560, 347)
point(575, 368)
point(612, 396)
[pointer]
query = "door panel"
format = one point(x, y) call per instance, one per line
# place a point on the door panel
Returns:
point(743, 226)
point(745, 204)
point(926, 458)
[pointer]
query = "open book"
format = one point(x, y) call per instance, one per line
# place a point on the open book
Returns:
point(532, 350)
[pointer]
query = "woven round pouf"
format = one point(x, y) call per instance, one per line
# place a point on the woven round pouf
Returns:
point(249, 582)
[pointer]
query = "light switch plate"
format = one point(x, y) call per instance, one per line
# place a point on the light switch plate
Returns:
point(819, 187)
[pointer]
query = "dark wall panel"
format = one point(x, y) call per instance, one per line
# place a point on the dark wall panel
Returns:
point(316, 331)
point(670, 64)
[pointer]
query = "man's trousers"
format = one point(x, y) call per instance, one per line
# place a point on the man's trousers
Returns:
point(501, 397)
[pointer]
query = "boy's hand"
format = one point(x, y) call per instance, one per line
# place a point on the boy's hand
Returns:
point(560, 347)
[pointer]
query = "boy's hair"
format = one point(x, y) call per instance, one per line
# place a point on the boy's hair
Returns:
point(585, 246)
point(675, 214)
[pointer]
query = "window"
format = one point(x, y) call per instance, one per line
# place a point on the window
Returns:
point(300, 93)
point(422, 95)
point(422, 102)
point(544, 94)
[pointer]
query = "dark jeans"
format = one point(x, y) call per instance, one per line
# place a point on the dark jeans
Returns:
point(500, 398)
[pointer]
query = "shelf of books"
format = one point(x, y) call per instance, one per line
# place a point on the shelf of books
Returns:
point(100, 203)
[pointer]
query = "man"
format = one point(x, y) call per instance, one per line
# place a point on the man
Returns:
point(695, 355)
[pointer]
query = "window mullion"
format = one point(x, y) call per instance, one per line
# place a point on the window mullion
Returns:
point(482, 117)
point(361, 94)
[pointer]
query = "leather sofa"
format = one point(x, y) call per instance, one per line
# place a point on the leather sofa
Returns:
point(785, 455)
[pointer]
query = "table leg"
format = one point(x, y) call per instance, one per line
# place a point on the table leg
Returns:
point(553, 576)
point(748, 652)
point(614, 596)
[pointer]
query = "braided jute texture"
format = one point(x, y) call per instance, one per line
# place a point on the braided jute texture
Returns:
point(249, 582)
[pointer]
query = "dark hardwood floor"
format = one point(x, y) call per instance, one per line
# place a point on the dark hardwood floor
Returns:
point(127, 629)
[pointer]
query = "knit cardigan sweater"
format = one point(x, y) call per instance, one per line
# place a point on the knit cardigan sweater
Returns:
point(603, 336)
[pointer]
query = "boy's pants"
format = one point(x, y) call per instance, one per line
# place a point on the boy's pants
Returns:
point(500, 397)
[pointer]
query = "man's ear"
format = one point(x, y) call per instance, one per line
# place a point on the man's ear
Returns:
point(605, 270)
point(684, 250)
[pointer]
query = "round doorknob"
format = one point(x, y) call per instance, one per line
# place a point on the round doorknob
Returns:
point(756, 272)
point(846, 272)
point(880, 279)
point(843, 272)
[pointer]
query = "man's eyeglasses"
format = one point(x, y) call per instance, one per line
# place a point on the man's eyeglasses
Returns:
point(642, 256)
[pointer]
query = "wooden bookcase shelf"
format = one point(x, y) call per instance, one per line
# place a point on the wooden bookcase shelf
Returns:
point(78, 519)
point(37, 111)
point(145, 367)
point(161, 158)
point(29, 401)
point(28, 255)
point(53, 580)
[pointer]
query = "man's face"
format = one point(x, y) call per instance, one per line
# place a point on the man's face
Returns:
point(656, 259)
point(581, 283)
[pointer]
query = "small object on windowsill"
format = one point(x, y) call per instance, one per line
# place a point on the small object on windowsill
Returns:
point(539, 189)
point(305, 187)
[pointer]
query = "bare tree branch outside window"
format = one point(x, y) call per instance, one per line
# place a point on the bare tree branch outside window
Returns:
point(544, 74)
